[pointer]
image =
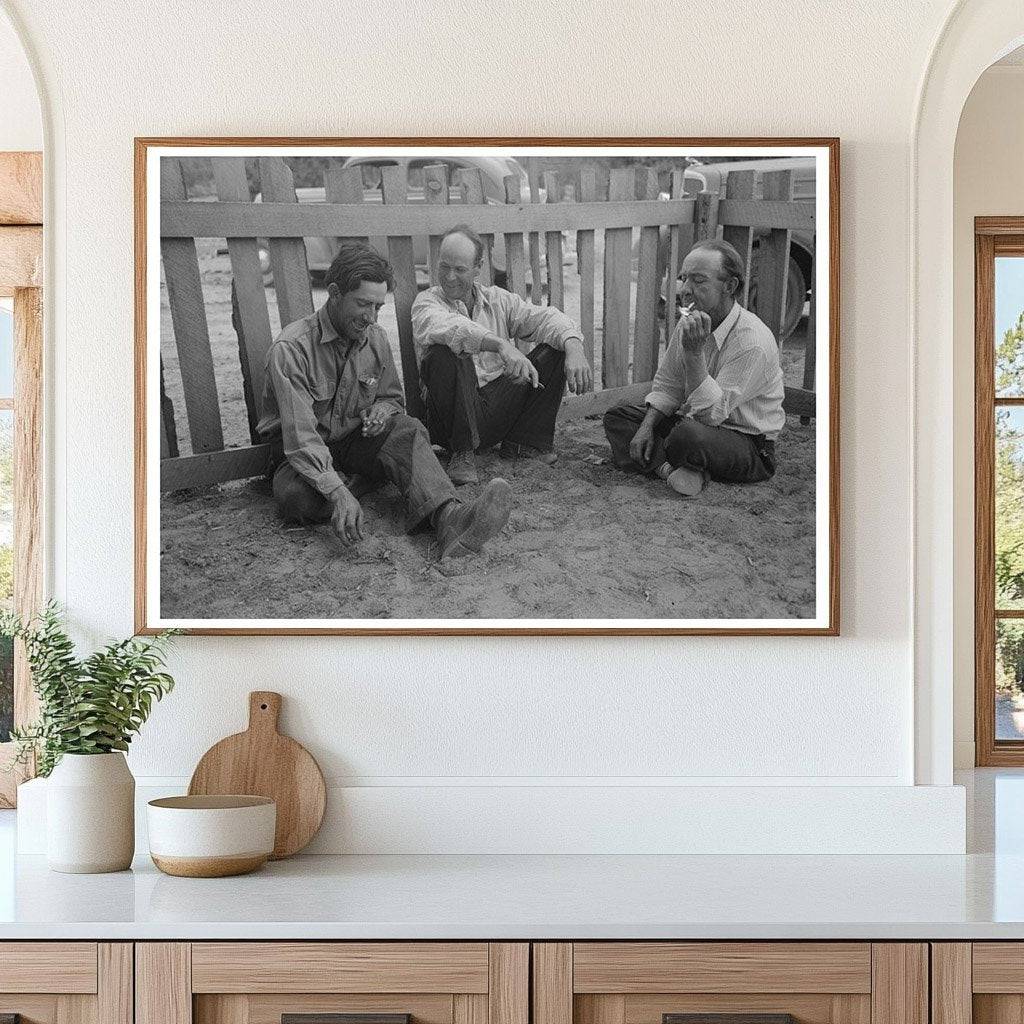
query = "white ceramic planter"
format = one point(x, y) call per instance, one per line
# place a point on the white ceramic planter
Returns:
point(90, 814)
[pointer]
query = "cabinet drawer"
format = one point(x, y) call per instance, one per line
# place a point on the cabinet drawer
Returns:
point(48, 967)
point(261, 982)
point(752, 982)
point(66, 982)
point(636, 967)
point(340, 967)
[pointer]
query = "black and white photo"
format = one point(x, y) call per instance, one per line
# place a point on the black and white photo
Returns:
point(419, 386)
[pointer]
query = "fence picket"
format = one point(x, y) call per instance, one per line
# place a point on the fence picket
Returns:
point(811, 341)
point(287, 255)
point(168, 428)
point(515, 252)
point(675, 258)
point(472, 184)
point(395, 190)
point(345, 185)
point(536, 286)
point(705, 217)
point(247, 278)
point(283, 221)
point(585, 263)
point(188, 319)
point(740, 185)
point(435, 192)
point(553, 246)
point(773, 258)
point(618, 273)
point(648, 279)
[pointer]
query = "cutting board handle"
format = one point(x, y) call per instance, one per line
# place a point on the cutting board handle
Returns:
point(264, 709)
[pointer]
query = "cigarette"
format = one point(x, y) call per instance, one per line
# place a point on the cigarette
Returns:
point(687, 310)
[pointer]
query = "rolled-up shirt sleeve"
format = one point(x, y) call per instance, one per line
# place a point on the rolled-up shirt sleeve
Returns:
point(738, 381)
point(542, 325)
point(669, 388)
point(436, 323)
point(303, 446)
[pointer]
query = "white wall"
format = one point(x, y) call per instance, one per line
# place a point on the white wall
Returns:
point(988, 181)
point(443, 713)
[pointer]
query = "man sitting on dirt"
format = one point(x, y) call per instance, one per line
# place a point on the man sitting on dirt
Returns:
point(715, 408)
point(480, 389)
point(334, 404)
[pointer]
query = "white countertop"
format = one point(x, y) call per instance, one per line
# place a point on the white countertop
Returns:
point(532, 897)
point(977, 896)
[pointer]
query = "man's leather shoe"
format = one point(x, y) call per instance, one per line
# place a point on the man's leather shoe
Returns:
point(462, 469)
point(513, 450)
point(464, 529)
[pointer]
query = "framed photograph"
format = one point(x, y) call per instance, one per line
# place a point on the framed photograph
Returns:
point(487, 386)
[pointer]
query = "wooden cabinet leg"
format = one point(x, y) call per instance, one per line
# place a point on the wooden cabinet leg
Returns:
point(899, 983)
point(509, 982)
point(552, 983)
point(115, 982)
point(951, 983)
point(163, 983)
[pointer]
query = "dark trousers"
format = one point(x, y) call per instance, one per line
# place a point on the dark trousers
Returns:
point(463, 417)
point(401, 454)
point(725, 455)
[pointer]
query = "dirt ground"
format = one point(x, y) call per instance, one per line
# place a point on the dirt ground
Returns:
point(584, 540)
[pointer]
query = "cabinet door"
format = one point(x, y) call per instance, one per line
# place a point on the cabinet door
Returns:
point(66, 982)
point(302, 982)
point(980, 982)
point(749, 982)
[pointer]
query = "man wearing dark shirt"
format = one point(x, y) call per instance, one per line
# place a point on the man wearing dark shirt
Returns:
point(334, 403)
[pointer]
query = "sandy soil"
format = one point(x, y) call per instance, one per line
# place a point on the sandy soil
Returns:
point(584, 540)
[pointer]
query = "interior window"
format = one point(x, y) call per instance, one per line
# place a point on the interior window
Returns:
point(999, 496)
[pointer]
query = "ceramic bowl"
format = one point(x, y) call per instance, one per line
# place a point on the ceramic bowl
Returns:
point(211, 836)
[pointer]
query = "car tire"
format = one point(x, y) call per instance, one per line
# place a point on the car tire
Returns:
point(796, 295)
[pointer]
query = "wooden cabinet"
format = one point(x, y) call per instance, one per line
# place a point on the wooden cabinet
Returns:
point(815, 982)
point(259, 982)
point(494, 983)
point(66, 982)
point(980, 982)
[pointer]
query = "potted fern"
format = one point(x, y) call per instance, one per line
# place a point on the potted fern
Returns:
point(89, 709)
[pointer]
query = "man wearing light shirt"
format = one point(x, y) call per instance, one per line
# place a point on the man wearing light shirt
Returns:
point(715, 408)
point(480, 389)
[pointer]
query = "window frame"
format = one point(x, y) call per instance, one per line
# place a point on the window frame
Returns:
point(21, 260)
point(993, 237)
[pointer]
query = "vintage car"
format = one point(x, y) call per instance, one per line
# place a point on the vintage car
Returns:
point(714, 178)
point(320, 251)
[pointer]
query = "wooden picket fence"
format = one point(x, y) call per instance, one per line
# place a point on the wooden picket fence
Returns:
point(632, 203)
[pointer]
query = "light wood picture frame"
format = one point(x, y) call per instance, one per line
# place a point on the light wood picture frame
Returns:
point(664, 194)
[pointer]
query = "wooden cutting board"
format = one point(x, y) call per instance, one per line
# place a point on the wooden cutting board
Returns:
point(262, 762)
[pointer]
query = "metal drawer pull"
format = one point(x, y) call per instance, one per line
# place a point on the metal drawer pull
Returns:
point(728, 1018)
point(340, 1018)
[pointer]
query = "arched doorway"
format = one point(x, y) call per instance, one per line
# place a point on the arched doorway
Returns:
point(21, 144)
point(975, 35)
